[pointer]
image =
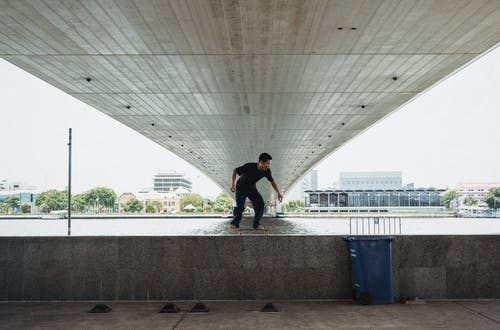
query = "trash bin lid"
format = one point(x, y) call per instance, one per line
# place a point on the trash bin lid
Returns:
point(368, 238)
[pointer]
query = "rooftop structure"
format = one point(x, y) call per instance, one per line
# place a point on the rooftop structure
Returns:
point(370, 180)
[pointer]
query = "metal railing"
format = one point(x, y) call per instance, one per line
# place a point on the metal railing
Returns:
point(375, 226)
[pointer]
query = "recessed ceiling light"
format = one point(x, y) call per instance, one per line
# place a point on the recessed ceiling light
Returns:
point(394, 78)
point(343, 124)
point(353, 28)
point(152, 124)
point(339, 28)
point(363, 106)
point(329, 136)
point(88, 79)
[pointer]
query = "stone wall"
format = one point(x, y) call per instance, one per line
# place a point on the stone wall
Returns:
point(237, 267)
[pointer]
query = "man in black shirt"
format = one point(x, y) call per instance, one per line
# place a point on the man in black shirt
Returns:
point(249, 174)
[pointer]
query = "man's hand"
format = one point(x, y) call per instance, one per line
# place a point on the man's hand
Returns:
point(280, 197)
point(233, 188)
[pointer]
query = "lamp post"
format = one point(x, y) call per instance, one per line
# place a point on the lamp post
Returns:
point(69, 184)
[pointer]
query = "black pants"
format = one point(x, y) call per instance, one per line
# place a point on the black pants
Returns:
point(258, 205)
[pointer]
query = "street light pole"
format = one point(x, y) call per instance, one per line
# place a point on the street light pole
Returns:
point(69, 184)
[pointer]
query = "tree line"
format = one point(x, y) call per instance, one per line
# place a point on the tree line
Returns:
point(102, 199)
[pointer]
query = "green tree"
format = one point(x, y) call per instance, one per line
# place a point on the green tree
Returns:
point(153, 207)
point(150, 208)
point(492, 198)
point(207, 208)
point(13, 202)
point(52, 200)
point(223, 203)
point(133, 205)
point(25, 208)
point(194, 199)
point(4, 208)
point(469, 201)
point(100, 197)
point(293, 206)
point(79, 203)
point(449, 196)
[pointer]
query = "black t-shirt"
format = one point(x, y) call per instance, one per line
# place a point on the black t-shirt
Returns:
point(249, 175)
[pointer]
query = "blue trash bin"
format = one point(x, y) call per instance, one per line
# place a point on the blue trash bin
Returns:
point(371, 268)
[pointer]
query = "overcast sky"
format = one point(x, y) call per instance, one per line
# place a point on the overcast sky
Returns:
point(448, 135)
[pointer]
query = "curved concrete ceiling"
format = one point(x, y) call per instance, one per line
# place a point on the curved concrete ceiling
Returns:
point(218, 82)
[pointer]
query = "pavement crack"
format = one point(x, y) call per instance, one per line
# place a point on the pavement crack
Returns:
point(478, 313)
point(180, 320)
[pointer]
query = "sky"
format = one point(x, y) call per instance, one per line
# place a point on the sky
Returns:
point(449, 134)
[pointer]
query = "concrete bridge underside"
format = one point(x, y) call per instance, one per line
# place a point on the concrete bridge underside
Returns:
point(218, 82)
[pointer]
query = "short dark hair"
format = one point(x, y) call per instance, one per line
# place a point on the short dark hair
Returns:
point(264, 157)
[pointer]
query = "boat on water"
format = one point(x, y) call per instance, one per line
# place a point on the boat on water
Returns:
point(55, 215)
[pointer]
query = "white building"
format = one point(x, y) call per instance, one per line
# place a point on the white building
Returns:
point(308, 182)
point(170, 181)
point(6, 185)
point(169, 202)
point(477, 190)
point(370, 180)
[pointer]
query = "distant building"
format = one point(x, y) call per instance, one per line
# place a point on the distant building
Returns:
point(170, 181)
point(181, 192)
point(123, 199)
point(372, 200)
point(314, 179)
point(370, 180)
point(169, 202)
point(477, 190)
point(6, 185)
point(308, 182)
point(27, 194)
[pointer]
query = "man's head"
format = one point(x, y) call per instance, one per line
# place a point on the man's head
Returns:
point(265, 161)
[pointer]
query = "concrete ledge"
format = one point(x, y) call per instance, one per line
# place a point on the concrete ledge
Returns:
point(237, 267)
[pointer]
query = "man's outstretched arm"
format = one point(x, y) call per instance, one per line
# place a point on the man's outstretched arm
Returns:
point(233, 179)
point(275, 187)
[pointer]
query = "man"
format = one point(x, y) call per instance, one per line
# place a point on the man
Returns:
point(249, 174)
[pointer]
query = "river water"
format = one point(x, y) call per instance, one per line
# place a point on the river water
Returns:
point(275, 226)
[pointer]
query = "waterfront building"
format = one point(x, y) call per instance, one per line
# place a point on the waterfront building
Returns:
point(476, 190)
point(170, 181)
point(346, 200)
point(27, 194)
point(169, 202)
point(123, 199)
point(6, 185)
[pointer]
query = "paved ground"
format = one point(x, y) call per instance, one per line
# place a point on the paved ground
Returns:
point(246, 315)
